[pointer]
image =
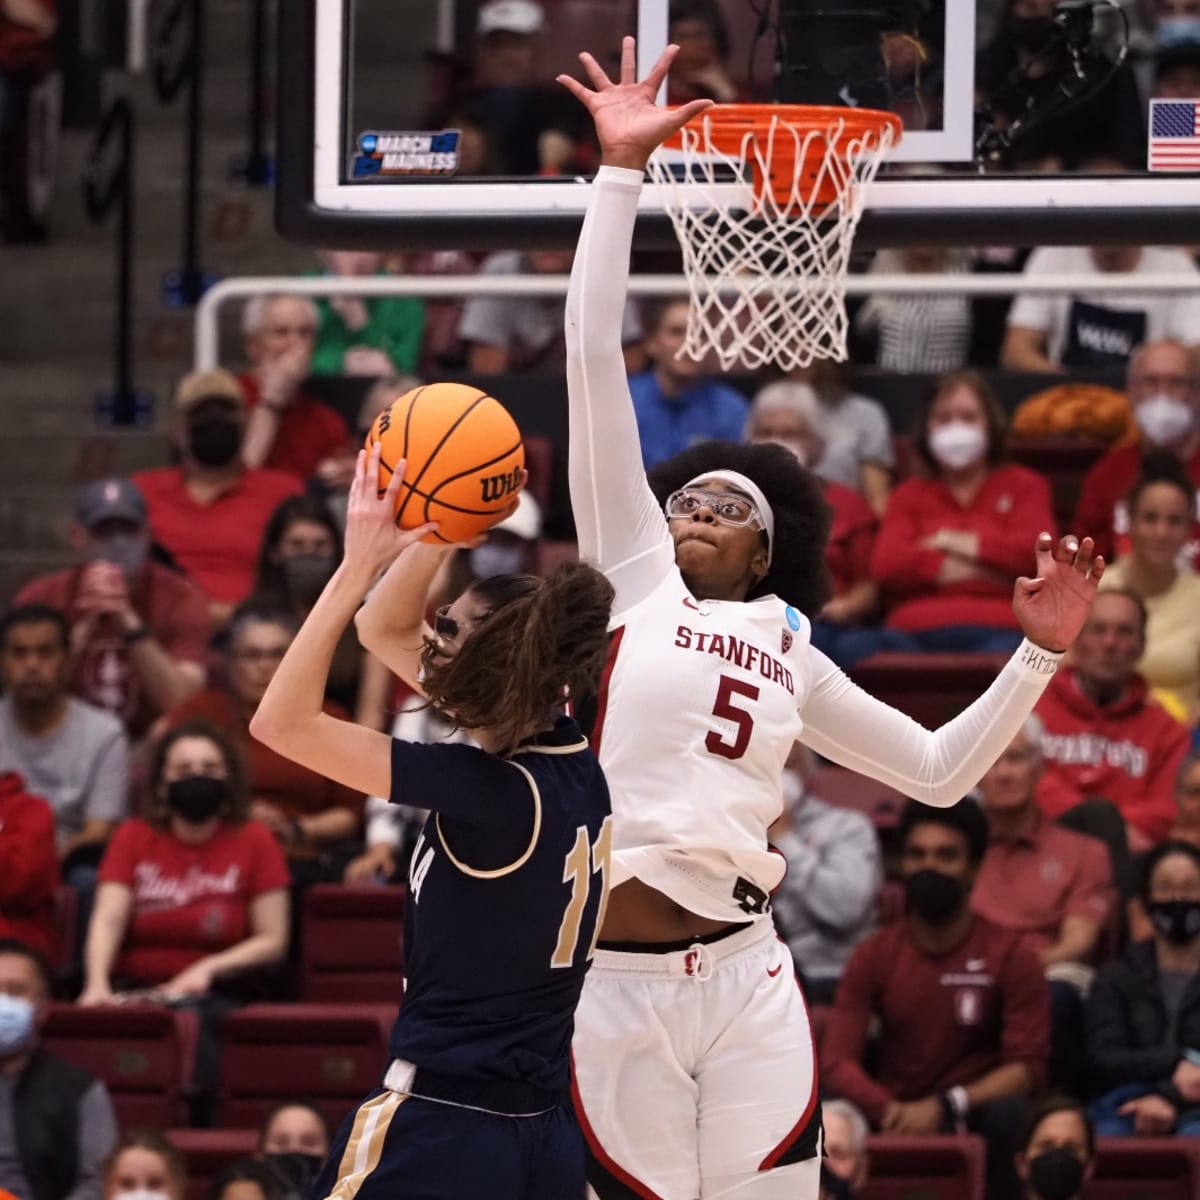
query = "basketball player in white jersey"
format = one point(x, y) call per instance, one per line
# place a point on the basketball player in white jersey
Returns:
point(694, 1060)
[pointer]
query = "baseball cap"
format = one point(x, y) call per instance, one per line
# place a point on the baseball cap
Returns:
point(510, 16)
point(526, 522)
point(198, 386)
point(113, 499)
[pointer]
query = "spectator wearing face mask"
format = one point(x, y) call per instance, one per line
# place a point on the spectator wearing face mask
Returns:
point(826, 903)
point(139, 631)
point(293, 1146)
point(145, 1166)
point(1143, 1012)
point(792, 415)
point(952, 544)
point(962, 1009)
point(57, 1124)
point(847, 1165)
point(1163, 384)
point(511, 546)
point(209, 512)
point(1058, 1151)
point(302, 547)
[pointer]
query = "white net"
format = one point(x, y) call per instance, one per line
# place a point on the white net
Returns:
point(767, 280)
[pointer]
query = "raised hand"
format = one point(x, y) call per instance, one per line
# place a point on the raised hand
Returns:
point(1053, 606)
point(630, 124)
point(373, 540)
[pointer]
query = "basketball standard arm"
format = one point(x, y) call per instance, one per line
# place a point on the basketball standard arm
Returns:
point(851, 727)
point(620, 525)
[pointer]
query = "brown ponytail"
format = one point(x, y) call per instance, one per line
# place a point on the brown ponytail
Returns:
point(539, 637)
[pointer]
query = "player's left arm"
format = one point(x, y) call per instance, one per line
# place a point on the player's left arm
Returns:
point(290, 718)
point(845, 724)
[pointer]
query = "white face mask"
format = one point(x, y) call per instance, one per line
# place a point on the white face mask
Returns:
point(957, 445)
point(141, 1194)
point(1164, 419)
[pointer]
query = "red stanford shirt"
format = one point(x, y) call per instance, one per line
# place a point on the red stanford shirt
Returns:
point(1127, 752)
point(851, 537)
point(308, 433)
point(188, 901)
point(217, 544)
point(1010, 510)
point(945, 1019)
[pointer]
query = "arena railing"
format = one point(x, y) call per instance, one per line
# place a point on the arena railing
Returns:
point(206, 351)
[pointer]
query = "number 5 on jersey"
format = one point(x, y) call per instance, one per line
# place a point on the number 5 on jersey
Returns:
point(741, 720)
point(584, 861)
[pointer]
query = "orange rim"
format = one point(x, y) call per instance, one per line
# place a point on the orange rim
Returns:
point(728, 126)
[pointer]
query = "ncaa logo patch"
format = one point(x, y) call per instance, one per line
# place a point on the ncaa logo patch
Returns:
point(793, 617)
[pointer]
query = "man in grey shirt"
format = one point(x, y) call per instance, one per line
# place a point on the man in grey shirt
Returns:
point(73, 755)
point(826, 903)
point(57, 1125)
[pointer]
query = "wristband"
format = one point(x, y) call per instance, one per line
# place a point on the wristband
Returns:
point(1034, 660)
point(960, 1105)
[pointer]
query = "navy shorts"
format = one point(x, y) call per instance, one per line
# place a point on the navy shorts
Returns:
point(396, 1147)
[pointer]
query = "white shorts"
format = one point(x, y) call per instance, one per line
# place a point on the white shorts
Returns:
point(695, 1073)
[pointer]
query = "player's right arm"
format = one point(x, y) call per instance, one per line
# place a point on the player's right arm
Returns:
point(391, 622)
point(620, 524)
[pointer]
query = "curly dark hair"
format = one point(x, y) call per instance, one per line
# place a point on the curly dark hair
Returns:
point(803, 517)
point(236, 808)
point(538, 637)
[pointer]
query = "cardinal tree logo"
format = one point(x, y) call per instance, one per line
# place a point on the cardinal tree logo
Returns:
point(388, 154)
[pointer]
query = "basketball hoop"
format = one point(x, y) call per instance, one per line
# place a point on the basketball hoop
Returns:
point(765, 199)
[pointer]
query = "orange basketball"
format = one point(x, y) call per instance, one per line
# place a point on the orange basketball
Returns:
point(464, 456)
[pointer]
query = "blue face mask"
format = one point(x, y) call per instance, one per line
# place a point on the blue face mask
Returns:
point(1176, 31)
point(16, 1024)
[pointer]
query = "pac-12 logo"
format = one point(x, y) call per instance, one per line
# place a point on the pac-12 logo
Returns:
point(395, 153)
point(496, 487)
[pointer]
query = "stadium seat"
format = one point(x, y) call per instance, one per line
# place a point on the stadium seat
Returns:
point(208, 1151)
point(351, 944)
point(930, 688)
point(925, 1168)
point(1064, 461)
point(144, 1054)
point(848, 789)
point(1145, 1168)
point(331, 1055)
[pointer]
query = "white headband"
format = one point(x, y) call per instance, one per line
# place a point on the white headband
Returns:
point(742, 483)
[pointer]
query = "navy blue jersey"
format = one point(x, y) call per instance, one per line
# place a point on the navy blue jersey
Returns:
point(506, 894)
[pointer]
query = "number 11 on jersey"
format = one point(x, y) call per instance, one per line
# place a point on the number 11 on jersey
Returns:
point(584, 861)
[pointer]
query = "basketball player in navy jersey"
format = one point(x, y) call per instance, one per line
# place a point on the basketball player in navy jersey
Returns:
point(508, 880)
point(694, 1065)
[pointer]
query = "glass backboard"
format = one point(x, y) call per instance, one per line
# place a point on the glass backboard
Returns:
point(437, 122)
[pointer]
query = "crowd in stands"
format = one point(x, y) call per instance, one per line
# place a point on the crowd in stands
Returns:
point(1041, 937)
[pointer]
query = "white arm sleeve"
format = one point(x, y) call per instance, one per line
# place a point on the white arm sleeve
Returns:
point(845, 724)
point(620, 525)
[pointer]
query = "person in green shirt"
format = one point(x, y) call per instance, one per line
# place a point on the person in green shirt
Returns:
point(374, 335)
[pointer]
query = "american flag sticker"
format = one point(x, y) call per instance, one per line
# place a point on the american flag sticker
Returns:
point(1174, 135)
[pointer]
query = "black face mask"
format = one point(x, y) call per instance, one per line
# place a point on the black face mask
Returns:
point(1177, 920)
point(214, 441)
point(1055, 1174)
point(933, 896)
point(197, 798)
point(834, 1187)
point(296, 1173)
point(306, 575)
point(1031, 33)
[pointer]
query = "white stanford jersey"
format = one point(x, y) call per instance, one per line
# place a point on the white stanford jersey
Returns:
point(706, 698)
point(699, 713)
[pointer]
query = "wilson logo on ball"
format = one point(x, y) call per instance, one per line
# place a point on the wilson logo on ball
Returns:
point(497, 486)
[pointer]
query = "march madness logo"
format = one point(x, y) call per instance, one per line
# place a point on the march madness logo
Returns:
point(391, 154)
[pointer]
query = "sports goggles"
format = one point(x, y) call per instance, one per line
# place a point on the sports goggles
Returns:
point(728, 507)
